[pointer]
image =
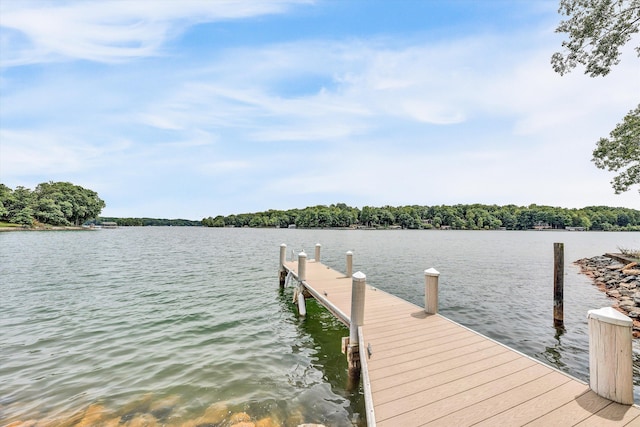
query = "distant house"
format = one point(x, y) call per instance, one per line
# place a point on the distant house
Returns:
point(575, 228)
point(541, 226)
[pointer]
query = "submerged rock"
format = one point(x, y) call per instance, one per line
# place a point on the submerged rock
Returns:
point(143, 420)
point(239, 417)
point(162, 408)
point(92, 416)
point(267, 422)
point(214, 415)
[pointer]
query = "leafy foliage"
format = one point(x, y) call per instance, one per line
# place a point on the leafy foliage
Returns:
point(622, 152)
point(53, 203)
point(462, 217)
point(125, 222)
point(597, 29)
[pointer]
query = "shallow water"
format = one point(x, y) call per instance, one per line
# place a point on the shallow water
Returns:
point(193, 316)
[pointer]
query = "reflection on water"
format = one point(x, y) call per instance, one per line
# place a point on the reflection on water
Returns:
point(553, 354)
point(175, 323)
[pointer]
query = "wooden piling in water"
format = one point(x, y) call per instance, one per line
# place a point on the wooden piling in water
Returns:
point(558, 285)
point(349, 263)
point(282, 272)
point(318, 246)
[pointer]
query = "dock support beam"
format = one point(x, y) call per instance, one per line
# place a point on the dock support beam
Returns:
point(358, 288)
point(431, 290)
point(281, 270)
point(318, 246)
point(558, 285)
point(610, 355)
point(349, 263)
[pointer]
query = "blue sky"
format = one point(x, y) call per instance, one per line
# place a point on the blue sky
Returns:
point(190, 109)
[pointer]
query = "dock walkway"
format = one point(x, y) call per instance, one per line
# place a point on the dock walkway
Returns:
point(420, 369)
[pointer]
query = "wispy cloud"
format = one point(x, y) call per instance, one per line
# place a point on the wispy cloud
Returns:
point(110, 31)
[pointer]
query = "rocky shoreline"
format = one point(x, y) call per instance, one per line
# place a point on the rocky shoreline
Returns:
point(619, 277)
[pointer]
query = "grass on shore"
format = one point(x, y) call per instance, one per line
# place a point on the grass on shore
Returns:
point(633, 253)
point(9, 225)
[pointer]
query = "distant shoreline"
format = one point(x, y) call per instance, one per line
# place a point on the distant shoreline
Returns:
point(47, 228)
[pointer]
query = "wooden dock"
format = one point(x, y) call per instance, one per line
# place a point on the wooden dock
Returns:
point(423, 369)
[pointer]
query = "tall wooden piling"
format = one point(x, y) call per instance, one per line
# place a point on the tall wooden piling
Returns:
point(358, 287)
point(558, 285)
point(282, 272)
point(431, 290)
point(349, 263)
point(610, 355)
point(318, 246)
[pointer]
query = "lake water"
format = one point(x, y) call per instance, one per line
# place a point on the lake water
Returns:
point(168, 321)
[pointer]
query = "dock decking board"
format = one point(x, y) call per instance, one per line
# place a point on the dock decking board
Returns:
point(428, 370)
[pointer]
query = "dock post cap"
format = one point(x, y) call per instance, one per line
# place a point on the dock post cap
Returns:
point(318, 244)
point(359, 276)
point(302, 254)
point(432, 272)
point(349, 253)
point(283, 245)
point(610, 315)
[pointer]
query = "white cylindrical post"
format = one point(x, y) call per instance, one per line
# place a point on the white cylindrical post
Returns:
point(281, 270)
point(431, 290)
point(349, 263)
point(318, 246)
point(358, 287)
point(302, 266)
point(610, 355)
point(302, 308)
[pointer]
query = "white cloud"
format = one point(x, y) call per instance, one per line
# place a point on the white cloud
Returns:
point(110, 31)
point(38, 152)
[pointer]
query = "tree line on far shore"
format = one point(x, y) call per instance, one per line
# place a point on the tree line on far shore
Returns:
point(458, 217)
point(144, 222)
point(52, 203)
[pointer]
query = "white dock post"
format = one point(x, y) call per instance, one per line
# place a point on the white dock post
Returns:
point(349, 263)
point(302, 276)
point(610, 355)
point(318, 246)
point(302, 266)
point(358, 287)
point(281, 270)
point(431, 290)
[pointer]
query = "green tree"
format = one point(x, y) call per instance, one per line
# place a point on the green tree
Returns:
point(78, 204)
point(48, 212)
point(597, 29)
point(6, 200)
point(24, 216)
point(20, 211)
point(621, 152)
